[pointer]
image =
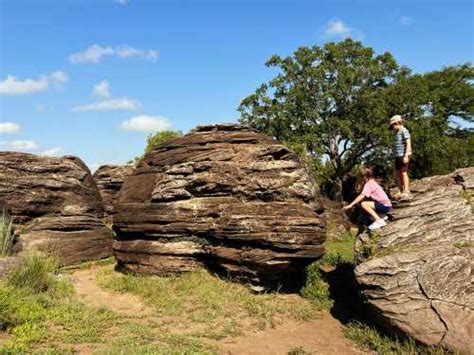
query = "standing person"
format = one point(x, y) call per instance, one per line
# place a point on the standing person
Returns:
point(402, 150)
point(379, 203)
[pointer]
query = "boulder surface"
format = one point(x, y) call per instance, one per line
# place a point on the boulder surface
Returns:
point(417, 273)
point(224, 197)
point(109, 180)
point(55, 205)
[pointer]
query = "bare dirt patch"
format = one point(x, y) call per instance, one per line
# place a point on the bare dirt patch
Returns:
point(321, 336)
point(90, 293)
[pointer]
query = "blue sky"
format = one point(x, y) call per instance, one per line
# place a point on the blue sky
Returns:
point(93, 77)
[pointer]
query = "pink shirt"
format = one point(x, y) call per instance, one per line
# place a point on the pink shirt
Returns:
point(375, 192)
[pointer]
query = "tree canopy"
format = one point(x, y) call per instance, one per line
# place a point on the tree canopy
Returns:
point(154, 140)
point(333, 103)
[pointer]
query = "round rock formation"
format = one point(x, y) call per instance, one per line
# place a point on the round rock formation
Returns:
point(55, 206)
point(417, 273)
point(224, 197)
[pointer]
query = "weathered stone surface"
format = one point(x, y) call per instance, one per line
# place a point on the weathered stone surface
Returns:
point(417, 272)
point(223, 196)
point(109, 180)
point(55, 206)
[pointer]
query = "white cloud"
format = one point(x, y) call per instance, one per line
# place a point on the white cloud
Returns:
point(122, 2)
point(19, 145)
point(59, 78)
point(53, 152)
point(13, 86)
point(145, 123)
point(120, 104)
point(406, 21)
point(9, 127)
point(337, 28)
point(101, 90)
point(95, 53)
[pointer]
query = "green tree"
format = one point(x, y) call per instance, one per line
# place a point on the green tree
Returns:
point(156, 139)
point(330, 100)
point(332, 103)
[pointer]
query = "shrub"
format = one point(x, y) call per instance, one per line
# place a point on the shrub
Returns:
point(316, 288)
point(36, 273)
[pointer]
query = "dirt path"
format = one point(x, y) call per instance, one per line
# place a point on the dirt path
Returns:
point(320, 336)
point(89, 292)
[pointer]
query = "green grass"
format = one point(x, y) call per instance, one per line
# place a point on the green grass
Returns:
point(369, 338)
point(33, 301)
point(6, 234)
point(40, 314)
point(213, 307)
point(338, 252)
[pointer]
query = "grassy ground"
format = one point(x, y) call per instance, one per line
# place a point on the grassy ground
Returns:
point(211, 307)
point(40, 313)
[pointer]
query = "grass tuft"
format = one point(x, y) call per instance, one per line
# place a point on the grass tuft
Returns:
point(6, 234)
point(36, 272)
point(370, 338)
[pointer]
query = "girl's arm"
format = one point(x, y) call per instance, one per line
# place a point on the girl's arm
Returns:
point(355, 202)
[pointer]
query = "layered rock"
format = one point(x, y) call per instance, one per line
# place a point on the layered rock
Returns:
point(417, 273)
point(225, 197)
point(55, 206)
point(109, 180)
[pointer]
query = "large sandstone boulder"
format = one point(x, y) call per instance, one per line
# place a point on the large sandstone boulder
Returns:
point(55, 205)
point(109, 180)
point(417, 273)
point(225, 197)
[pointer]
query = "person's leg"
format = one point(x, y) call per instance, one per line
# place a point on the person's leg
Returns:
point(405, 182)
point(369, 207)
point(398, 175)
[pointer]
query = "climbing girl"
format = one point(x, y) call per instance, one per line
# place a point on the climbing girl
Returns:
point(373, 199)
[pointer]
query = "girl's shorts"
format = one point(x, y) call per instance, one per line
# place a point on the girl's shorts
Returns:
point(381, 208)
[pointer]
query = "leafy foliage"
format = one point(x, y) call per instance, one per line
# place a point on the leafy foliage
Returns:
point(333, 104)
point(155, 140)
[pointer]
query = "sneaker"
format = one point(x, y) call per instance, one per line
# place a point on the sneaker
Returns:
point(406, 196)
point(378, 224)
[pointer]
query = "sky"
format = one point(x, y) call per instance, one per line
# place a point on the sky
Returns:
point(93, 78)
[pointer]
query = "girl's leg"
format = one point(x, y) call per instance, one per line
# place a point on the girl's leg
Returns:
point(369, 207)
